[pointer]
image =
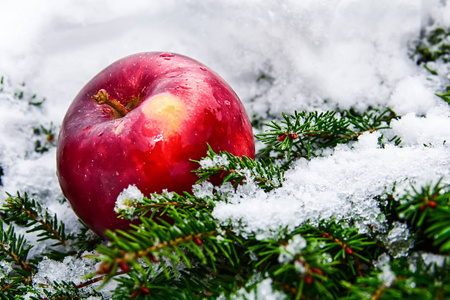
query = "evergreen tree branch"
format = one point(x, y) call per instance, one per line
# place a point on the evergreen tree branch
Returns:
point(428, 212)
point(306, 134)
point(28, 212)
point(46, 138)
point(61, 291)
point(164, 202)
point(435, 46)
point(403, 279)
point(237, 170)
point(155, 239)
point(14, 249)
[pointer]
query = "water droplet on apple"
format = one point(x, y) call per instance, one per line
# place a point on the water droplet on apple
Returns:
point(185, 87)
point(117, 173)
point(166, 56)
point(101, 133)
point(202, 68)
point(227, 102)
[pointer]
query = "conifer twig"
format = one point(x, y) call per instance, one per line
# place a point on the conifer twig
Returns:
point(306, 134)
point(237, 170)
point(157, 238)
point(428, 211)
point(29, 213)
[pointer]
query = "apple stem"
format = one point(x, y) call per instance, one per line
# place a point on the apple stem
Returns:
point(102, 97)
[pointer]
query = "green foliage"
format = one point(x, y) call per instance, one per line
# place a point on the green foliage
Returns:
point(331, 259)
point(164, 202)
point(14, 250)
point(182, 231)
point(237, 170)
point(307, 134)
point(21, 93)
point(445, 96)
point(319, 260)
point(188, 284)
point(410, 280)
point(433, 47)
point(17, 267)
point(29, 213)
point(45, 138)
point(61, 291)
point(428, 212)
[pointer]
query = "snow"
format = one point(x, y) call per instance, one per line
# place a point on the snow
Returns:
point(399, 240)
point(215, 161)
point(430, 130)
point(71, 269)
point(263, 291)
point(411, 95)
point(126, 199)
point(294, 247)
point(312, 55)
point(341, 185)
point(386, 276)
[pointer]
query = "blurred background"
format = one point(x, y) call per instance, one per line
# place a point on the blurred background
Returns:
point(277, 55)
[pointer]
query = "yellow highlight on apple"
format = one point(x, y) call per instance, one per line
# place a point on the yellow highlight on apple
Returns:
point(167, 110)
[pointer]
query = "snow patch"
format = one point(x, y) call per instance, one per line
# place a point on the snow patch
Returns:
point(342, 185)
point(127, 200)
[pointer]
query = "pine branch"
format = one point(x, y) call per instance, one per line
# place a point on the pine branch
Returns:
point(199, 281)
point(14, 249)
point(20, 93)
point(433, 47)
point(334, 259)
point(46, 138)
point(306, 134)
point(60, 291)
point(403, 279)
point(150, 286)
point(231, 168)
point(162, 203)
point(428, 212)
point(154, 239)
point(311, 261)
point(298, 268)
point(85, 242)
point(28, 212)
point(445, 96)
point(346, 242)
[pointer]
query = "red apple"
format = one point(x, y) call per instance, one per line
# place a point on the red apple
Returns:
point(152, 113)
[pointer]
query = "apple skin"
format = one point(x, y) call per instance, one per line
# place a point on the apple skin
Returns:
point(184, 106)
